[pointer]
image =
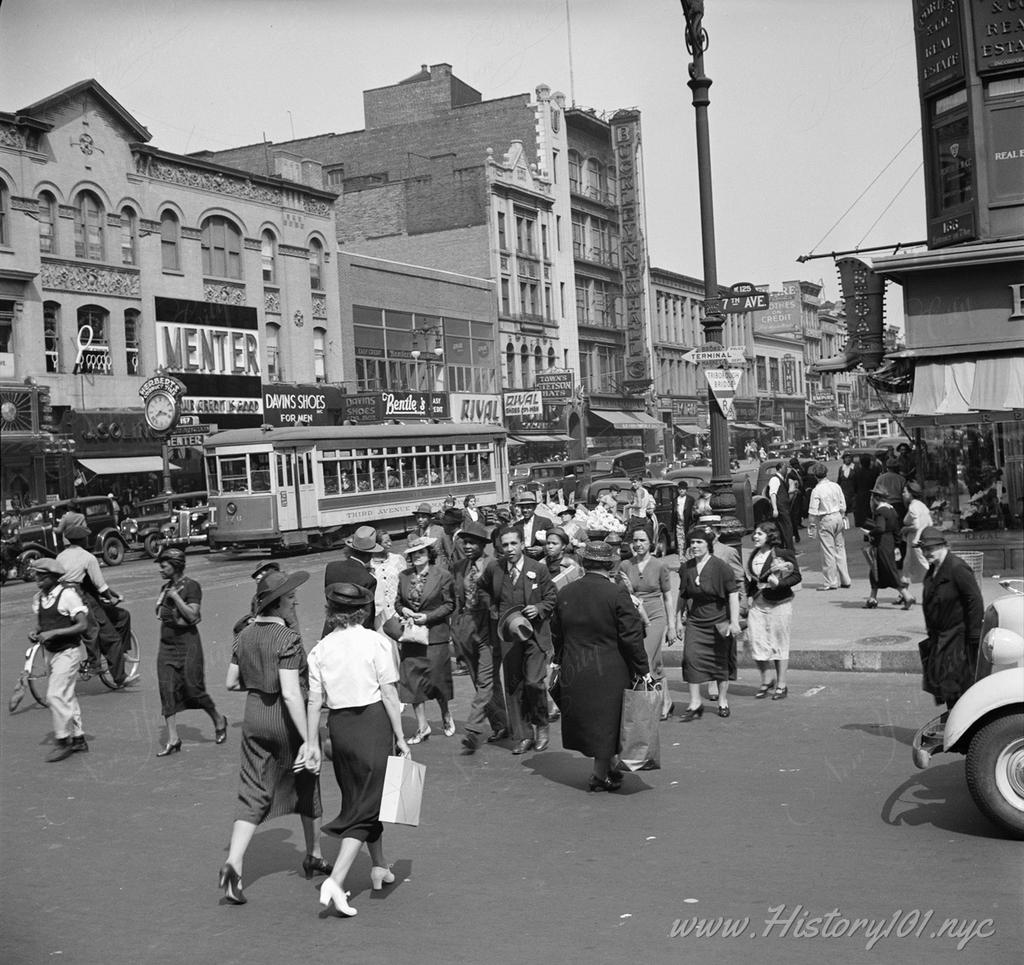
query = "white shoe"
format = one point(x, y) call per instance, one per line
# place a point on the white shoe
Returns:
point(380, 877)
point(331, 893)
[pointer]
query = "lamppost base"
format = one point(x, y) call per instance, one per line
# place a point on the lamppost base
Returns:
point(723, 503)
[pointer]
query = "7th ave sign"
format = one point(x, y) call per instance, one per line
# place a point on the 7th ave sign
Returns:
point(744, 297)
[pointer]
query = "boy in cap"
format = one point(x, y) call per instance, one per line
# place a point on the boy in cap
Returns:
point(61, 620)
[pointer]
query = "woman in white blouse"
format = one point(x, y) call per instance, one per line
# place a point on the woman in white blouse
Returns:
point(918, 516)
point(352, 672)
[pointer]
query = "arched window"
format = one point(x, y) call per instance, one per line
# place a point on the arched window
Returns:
point(222, 248)
point(132, 335)
point(51, 336)
point(47, 223)
point(575, 171)
point(4, 201)
point(316, 264)
point(551, 358)
point(524, 363)
point(89, 218)
point(94, 339)
point(129, 236)
point(538, 361)
point(268, 257)
point(169, 235)
point(510, 366)
point(274, 353)
point(320, 354)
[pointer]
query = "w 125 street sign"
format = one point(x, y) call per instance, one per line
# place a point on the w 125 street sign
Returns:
point(744, 297)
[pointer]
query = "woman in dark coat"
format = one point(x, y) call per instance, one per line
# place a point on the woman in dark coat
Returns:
point(598, 640)
point(180, 671)
point(426, 598)
point(709, 605)
point(953, 611)
point(863, 482)
point(882, 530)
point(269, 663)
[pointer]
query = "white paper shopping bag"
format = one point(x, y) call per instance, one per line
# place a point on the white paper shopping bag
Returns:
point(403, 791)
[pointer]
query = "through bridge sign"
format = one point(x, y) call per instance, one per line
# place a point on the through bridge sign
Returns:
point(744, 297)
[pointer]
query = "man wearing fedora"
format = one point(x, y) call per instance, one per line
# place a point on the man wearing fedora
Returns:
point(449, 546)
point(523, 596)
point(354, 566)
point(425, 524)
point(473, 638)
point(532, 528)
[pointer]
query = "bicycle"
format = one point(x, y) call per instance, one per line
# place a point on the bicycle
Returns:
point(37, 669)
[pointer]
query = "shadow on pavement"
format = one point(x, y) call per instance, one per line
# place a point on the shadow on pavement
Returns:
point(572, 771)
point(902, 734)
point(938, 796)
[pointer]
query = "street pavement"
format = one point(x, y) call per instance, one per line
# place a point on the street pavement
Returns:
point(787, 810)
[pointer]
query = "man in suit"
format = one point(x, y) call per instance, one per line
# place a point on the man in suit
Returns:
point(777, 493)
point(685, 505)
point(519, 582)
point(353, 566)
point(532, 528)
point(473, 637)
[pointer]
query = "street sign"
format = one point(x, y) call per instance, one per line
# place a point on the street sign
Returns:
point(723, 383)
point(736, 304)
point(190, 429)
point(714, 354)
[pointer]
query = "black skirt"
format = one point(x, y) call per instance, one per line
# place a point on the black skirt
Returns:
point(707, 655)
point(180, 672)
point(362, 740)
point(425, 672)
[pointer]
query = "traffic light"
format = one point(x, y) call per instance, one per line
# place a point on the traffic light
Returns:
point(864, 304)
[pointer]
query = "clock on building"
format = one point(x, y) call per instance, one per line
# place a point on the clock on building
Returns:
point(161, 411)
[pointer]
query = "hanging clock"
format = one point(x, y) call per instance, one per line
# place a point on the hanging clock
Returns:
point(161, 411)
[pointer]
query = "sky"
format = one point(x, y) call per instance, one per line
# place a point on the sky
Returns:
point(814, 118)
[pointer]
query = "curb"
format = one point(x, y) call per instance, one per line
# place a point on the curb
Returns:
point(857, 661)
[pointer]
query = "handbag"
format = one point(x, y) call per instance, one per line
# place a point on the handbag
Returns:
point(414, 633)
point(639, 743)
point(393, 626)
point(402, 796)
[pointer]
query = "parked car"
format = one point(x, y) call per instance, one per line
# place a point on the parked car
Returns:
point(38, 539)
point(987, 723)
point(188, 526)
point(149, 516)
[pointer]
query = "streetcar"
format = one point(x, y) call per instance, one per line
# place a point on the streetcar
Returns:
point(308, 487)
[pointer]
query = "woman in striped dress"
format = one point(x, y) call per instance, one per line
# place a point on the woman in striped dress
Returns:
point(268, 661)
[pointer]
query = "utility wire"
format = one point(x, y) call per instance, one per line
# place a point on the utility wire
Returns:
point(912, 138)
point(913, 174)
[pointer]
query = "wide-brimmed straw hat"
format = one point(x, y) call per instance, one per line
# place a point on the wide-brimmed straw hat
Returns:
point(274, 585)
point(418, 543)
point(599, 551)
point(513, 627)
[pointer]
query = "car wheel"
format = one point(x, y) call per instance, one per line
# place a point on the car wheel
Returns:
point(25, 564)
point(113, 551)
point(151, 544)
point(995, 772)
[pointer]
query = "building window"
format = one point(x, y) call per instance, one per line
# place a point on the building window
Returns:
point(575, 170)
point(6, 327)
point(89, 217)
point(773, 374)
point(4, 197)
point(132, 333)
point(268, 257)
point(510, 366)
point(611, 181)
point(525, 229)
point(129, 236)
point(551, 358)
point(51, 336)
point(320, 354)
point(222, 248)
point(506, 300)
point(94, 336)
point(502, 235)
point(274, 353)
point(548, 307)
point(579, 236)
point(169, 235)
point(594, 177)
point(544, 242)
point(47, 223)
point(528, 298)
point(316, 264)
point(524, 364)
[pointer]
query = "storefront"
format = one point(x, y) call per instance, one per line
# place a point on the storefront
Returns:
point(623, 429)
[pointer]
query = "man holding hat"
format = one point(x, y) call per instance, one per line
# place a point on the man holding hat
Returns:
point(522, 588)
point(953, 612)
point(354, 566)
point(473, 638)
point(532, 528)
point(61, 621)
point(110, 625)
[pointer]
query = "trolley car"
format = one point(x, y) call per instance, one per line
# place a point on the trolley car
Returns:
point(307, 487)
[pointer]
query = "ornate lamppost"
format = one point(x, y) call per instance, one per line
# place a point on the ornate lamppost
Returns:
point(722, 499)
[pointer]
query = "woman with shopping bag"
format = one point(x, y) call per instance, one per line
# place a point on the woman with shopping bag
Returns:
point(598, 640)
point(351, 671)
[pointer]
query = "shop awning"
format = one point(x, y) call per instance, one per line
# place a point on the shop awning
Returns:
point(690, 429)
point(765, 424)
point(123, 465)
point(965, 391)
point(827, 422)
point(746, 426)
point(540, 437)
point(627, 420)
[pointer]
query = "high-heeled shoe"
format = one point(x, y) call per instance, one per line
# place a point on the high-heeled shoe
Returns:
point(380, 877)
point(871, 604)
point(231, 881)
point(448, 725)
point(171, 747)
point(724, 711)
point(691, 713)
point(331, 894)
point(312, 865)
point(764, 690)
point(420, 736)
point(220, 734)
point(603, 783)
point(781, 693)
point(908, 602)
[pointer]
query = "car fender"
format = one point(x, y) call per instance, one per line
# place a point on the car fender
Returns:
point(994, 692)
point(108, 531)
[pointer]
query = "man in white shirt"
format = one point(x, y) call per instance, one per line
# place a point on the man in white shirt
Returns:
point(827, 512)
point(641, 510)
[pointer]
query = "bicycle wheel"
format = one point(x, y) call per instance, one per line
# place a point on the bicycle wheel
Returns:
point(132, 659)
point(38, 674)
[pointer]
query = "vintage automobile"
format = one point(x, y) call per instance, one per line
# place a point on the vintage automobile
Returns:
point(149, 516)
point(188, 526)
point(37, 537)
point(987, 723)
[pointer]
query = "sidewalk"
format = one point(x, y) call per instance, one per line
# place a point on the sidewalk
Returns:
point(832, 631)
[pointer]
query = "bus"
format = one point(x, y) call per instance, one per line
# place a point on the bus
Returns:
point(308, 487)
